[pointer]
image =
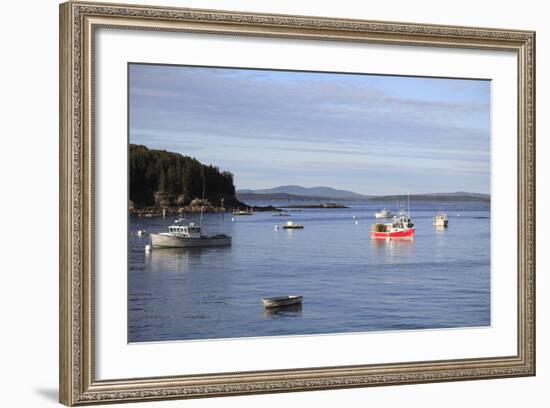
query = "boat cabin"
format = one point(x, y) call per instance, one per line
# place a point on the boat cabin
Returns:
point(190, 230)
point(400, 222)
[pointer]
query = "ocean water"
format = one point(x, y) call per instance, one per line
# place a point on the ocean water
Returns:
point(350, 282)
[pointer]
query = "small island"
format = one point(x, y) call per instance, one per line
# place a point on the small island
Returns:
point(167, 183)
point(321, 205)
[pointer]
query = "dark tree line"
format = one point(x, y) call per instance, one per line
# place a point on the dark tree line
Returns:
point(154, 171)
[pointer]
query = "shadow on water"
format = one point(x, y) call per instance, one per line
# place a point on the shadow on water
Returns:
point(284, 311)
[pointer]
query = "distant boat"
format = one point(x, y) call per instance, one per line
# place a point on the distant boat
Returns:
point(385, 213)
point(248, 211)
point(189, 235)
point(281, 301)
point(441, 220)
point(280, 214)
point(291, 225)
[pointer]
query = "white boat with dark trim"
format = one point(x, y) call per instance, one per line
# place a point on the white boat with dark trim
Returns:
point(441, 220)
point(385, 213)
point(182, 235)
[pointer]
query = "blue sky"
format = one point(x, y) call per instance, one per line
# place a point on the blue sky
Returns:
point(366, 133)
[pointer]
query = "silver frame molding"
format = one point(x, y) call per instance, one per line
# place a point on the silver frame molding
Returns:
point(78, 22)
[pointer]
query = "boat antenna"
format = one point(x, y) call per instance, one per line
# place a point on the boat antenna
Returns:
point(202, 199)
point(408, 204)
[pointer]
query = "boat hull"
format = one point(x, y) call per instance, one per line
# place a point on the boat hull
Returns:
point(441, 223)
point(170, 241)
point(405, 233)
point(283, 301)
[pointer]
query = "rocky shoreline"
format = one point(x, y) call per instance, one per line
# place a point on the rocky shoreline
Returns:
point(170, 208)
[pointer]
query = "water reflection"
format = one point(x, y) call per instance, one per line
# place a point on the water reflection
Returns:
point(285, 311)
point(440, 248)
point(173, 259)
point(393, 250)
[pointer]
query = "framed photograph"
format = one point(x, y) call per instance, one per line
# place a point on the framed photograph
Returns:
point(256, 203)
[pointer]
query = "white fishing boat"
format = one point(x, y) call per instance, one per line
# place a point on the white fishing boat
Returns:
point(385, 213)
point(182, 235)
point(441, 220)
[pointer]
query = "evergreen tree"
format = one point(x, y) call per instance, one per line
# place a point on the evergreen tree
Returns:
point(154, 171)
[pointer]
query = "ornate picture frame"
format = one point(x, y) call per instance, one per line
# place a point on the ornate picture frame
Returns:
point(78, 24)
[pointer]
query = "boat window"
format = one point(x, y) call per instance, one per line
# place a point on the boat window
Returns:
point(194, 230)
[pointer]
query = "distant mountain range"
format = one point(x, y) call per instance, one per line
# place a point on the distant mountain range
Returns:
point(323, 193)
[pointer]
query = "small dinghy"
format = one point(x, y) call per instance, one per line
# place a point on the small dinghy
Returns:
point(281, 301)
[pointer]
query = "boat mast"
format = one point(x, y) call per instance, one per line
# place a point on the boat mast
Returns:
point(223, 211)
point(202, 199)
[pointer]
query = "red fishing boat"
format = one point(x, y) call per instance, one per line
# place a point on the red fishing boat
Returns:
point(400, 227)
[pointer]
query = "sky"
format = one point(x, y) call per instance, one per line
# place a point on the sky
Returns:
point(370, 134)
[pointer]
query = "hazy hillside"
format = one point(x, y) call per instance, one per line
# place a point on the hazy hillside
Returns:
point(323, 193)
point(295, 190)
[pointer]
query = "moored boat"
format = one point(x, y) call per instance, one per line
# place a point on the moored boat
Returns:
point(441, 220)
point(400, 227)
point(385, 213)
point(280, 214)
point(247, 211)
point(281, 301)
point(189, 235)
point(292, 225)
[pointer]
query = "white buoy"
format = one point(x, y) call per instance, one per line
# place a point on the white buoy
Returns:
point(233, 219)
point(353, 217)
point(356, 222)
point(139, 233)
point(147, 248)
point(276, 227)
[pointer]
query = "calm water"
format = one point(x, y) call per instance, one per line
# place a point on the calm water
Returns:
point(350, 283)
